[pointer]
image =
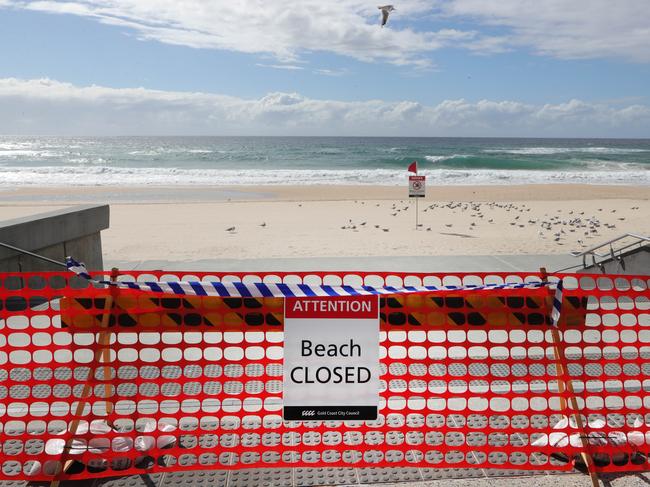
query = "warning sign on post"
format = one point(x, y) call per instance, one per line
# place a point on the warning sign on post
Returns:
point(417, 186)
point(331, 358)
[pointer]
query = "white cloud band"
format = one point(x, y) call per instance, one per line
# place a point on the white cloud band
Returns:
point(43, 106)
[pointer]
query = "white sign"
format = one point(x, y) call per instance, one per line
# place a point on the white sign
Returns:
point(417, 186)
point(331, 358)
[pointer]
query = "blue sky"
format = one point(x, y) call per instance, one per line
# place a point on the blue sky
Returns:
point(461, 67)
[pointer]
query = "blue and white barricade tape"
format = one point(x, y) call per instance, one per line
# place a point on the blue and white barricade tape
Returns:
point(281, 290)
point(557, 304)
point(78, 268)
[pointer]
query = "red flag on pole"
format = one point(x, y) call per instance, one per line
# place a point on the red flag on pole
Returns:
point(413, 167)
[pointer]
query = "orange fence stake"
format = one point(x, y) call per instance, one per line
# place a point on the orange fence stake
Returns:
point(103, 356)
point(565, 385)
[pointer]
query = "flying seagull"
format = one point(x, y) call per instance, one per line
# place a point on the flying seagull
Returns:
point(385, 11)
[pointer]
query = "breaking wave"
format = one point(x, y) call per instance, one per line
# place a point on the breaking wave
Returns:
point(545, 151)
point(12, 176)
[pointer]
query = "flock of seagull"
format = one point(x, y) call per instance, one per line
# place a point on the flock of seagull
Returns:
point(564, 227)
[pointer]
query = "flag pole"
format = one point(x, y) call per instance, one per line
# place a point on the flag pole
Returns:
point(413, 167)
point(416, 213)
point(417, 209)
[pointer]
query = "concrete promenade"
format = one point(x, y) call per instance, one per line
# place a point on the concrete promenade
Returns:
point(442, 263)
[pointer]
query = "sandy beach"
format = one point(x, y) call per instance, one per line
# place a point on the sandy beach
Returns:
point(346, 221)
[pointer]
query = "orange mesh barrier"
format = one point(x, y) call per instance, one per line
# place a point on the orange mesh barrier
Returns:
point(98, 383)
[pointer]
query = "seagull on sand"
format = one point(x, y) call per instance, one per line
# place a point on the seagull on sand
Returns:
point(385, 12)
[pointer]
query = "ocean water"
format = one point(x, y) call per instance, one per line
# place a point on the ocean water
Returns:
point(150, 161)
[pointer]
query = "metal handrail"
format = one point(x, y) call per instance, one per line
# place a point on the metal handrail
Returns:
point(592, 250)
point(32, 254)
point(640, 239)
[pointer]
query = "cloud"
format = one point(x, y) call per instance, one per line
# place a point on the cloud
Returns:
point(288, 29)
point(330, 72)
point(288, 67)
point(44, 106)
point(565, 29)
point(285, 29)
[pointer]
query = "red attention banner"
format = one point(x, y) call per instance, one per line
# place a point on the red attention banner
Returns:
point(358, 307)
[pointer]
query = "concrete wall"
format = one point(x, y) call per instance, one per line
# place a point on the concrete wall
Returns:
point(635, 261)
point(74, 231)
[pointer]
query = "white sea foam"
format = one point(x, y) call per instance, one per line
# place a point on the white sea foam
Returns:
point(16, 145)
point(21, 153)
point(87, 160)
point(435, 159)
point(13, 176)
point(157, 151)
point(565, 150)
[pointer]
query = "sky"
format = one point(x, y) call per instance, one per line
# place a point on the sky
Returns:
point(521, 68)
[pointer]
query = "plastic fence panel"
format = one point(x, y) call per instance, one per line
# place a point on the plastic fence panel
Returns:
point(99, 383)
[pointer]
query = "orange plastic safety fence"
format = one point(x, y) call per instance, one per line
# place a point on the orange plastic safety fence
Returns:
point(97, 382)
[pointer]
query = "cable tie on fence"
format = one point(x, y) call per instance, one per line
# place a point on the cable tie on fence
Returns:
point(255, 290)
